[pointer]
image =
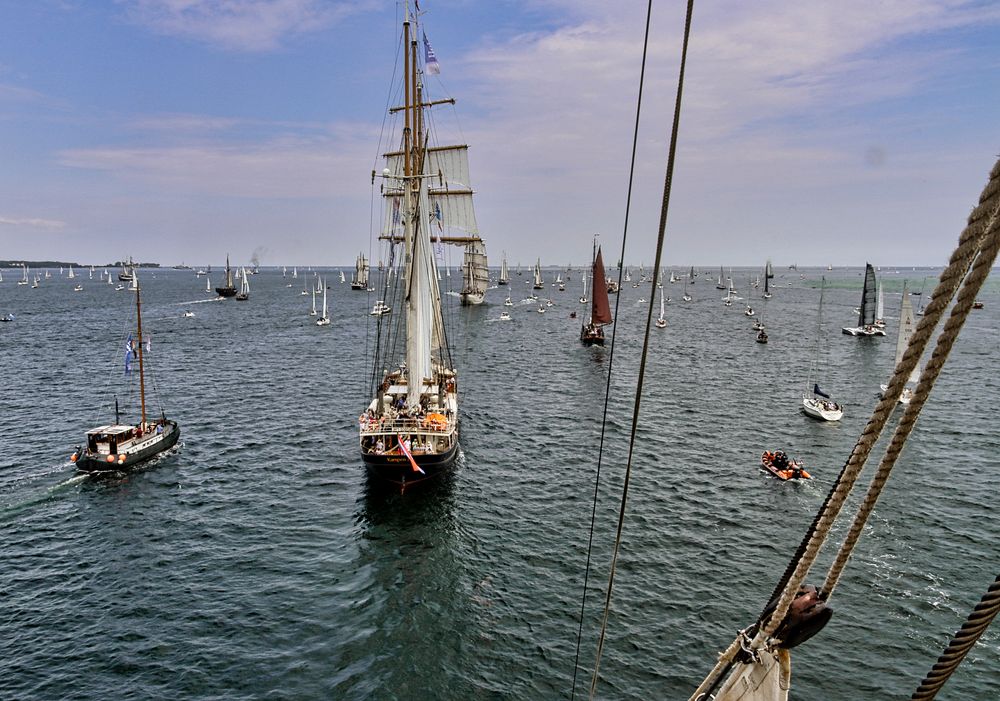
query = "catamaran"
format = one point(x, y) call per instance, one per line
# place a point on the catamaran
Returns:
point(121, 447)
point(409, 430)
point(866, 312)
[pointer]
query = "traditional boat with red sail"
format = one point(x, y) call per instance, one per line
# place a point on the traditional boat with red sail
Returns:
point(592, 332)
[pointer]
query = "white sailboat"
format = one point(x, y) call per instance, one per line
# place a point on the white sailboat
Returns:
point(583, 297)
point(907, 324)
point(244, 293)
point(325, 319)
point(208, 284)
point(661, 321)
point(538, 284)
point(312, 312)
point(508, 302)
point(504, 274)
point(815, 402)
point(24, 280)
point(342, 278)
point(409, 430)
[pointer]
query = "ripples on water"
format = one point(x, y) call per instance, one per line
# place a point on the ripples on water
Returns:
point(256, 562)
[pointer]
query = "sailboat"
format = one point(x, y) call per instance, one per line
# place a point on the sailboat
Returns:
point(24, 280)
point(866, 312)
point(127, 273)
point(325, 319)
point(208, 284)
point(360, 279)
point(475, 274)
point(227, 290)
point(408, 433)
point(508, 302)
point(121, 447)
point(244, 293)
point(661, 321)
point(817, 403)
point(768, 276)
point(504, 274)
point(71, 273)
point(312, 312)
point(538, 284)
point(879, 305)
point(600, 309)
point(720, 285)
point(906, 326)
point(342, 278)
point(583, 297)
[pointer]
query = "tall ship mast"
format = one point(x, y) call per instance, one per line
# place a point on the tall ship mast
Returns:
point(409, 430)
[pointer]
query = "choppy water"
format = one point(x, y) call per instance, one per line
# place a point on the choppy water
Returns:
point(255, 563)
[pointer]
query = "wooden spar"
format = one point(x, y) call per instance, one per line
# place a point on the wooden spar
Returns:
point(458, 240)
point(142, 382)
point(432, 103)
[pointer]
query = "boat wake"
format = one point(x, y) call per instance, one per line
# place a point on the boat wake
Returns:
point(9, 511)
point(201, 301)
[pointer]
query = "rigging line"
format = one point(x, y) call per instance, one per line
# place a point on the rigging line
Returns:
point(981, 267)
point(661, 235)
point(611, 355)
point(978, 621)
point(958, 266)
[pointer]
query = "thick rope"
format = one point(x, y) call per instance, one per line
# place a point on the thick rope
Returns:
point(978, 621)
point(990, 242)
point(661, 235)
point(805, 557)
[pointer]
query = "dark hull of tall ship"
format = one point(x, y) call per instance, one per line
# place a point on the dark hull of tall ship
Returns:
point(591, 338)
point(98, 463)
point(226, 291)
point(358, 286)
point(395, 470)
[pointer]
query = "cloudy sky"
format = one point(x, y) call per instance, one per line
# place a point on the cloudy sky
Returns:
point(180, 130)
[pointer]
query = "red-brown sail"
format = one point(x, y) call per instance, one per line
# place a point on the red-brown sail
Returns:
point(601, 309)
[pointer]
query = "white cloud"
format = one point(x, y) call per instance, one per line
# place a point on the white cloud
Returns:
point(34, 223)
point(240, 25)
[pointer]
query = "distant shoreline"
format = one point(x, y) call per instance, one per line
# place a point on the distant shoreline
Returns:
point(66, 264)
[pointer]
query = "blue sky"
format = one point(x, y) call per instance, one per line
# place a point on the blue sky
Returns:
point(180, 130)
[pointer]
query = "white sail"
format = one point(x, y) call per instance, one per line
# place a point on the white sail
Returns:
point(504, 275)
point(475, 274)
point(906, 327)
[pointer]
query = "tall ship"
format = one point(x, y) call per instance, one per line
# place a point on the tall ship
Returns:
point(475, 275)
point(127, 272)
point(408, 432)
point(504, 278)
point(228, 289)
point(592, 332)
point(360, 279)
point(121, 446)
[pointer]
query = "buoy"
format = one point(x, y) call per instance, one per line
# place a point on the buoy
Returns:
point(111, 458)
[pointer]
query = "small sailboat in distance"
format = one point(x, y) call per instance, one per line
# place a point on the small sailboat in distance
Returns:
point(907, 324)
point(121, 447)
point(817, 403)
point(592, 332)
point(227, 290)
point(325, 319)
point(661, 321)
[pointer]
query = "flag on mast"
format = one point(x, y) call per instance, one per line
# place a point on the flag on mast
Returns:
point(431, 65)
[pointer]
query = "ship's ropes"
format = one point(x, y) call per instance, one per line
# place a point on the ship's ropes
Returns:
point(978, 621)
point(645, 346)
point(960, 281)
